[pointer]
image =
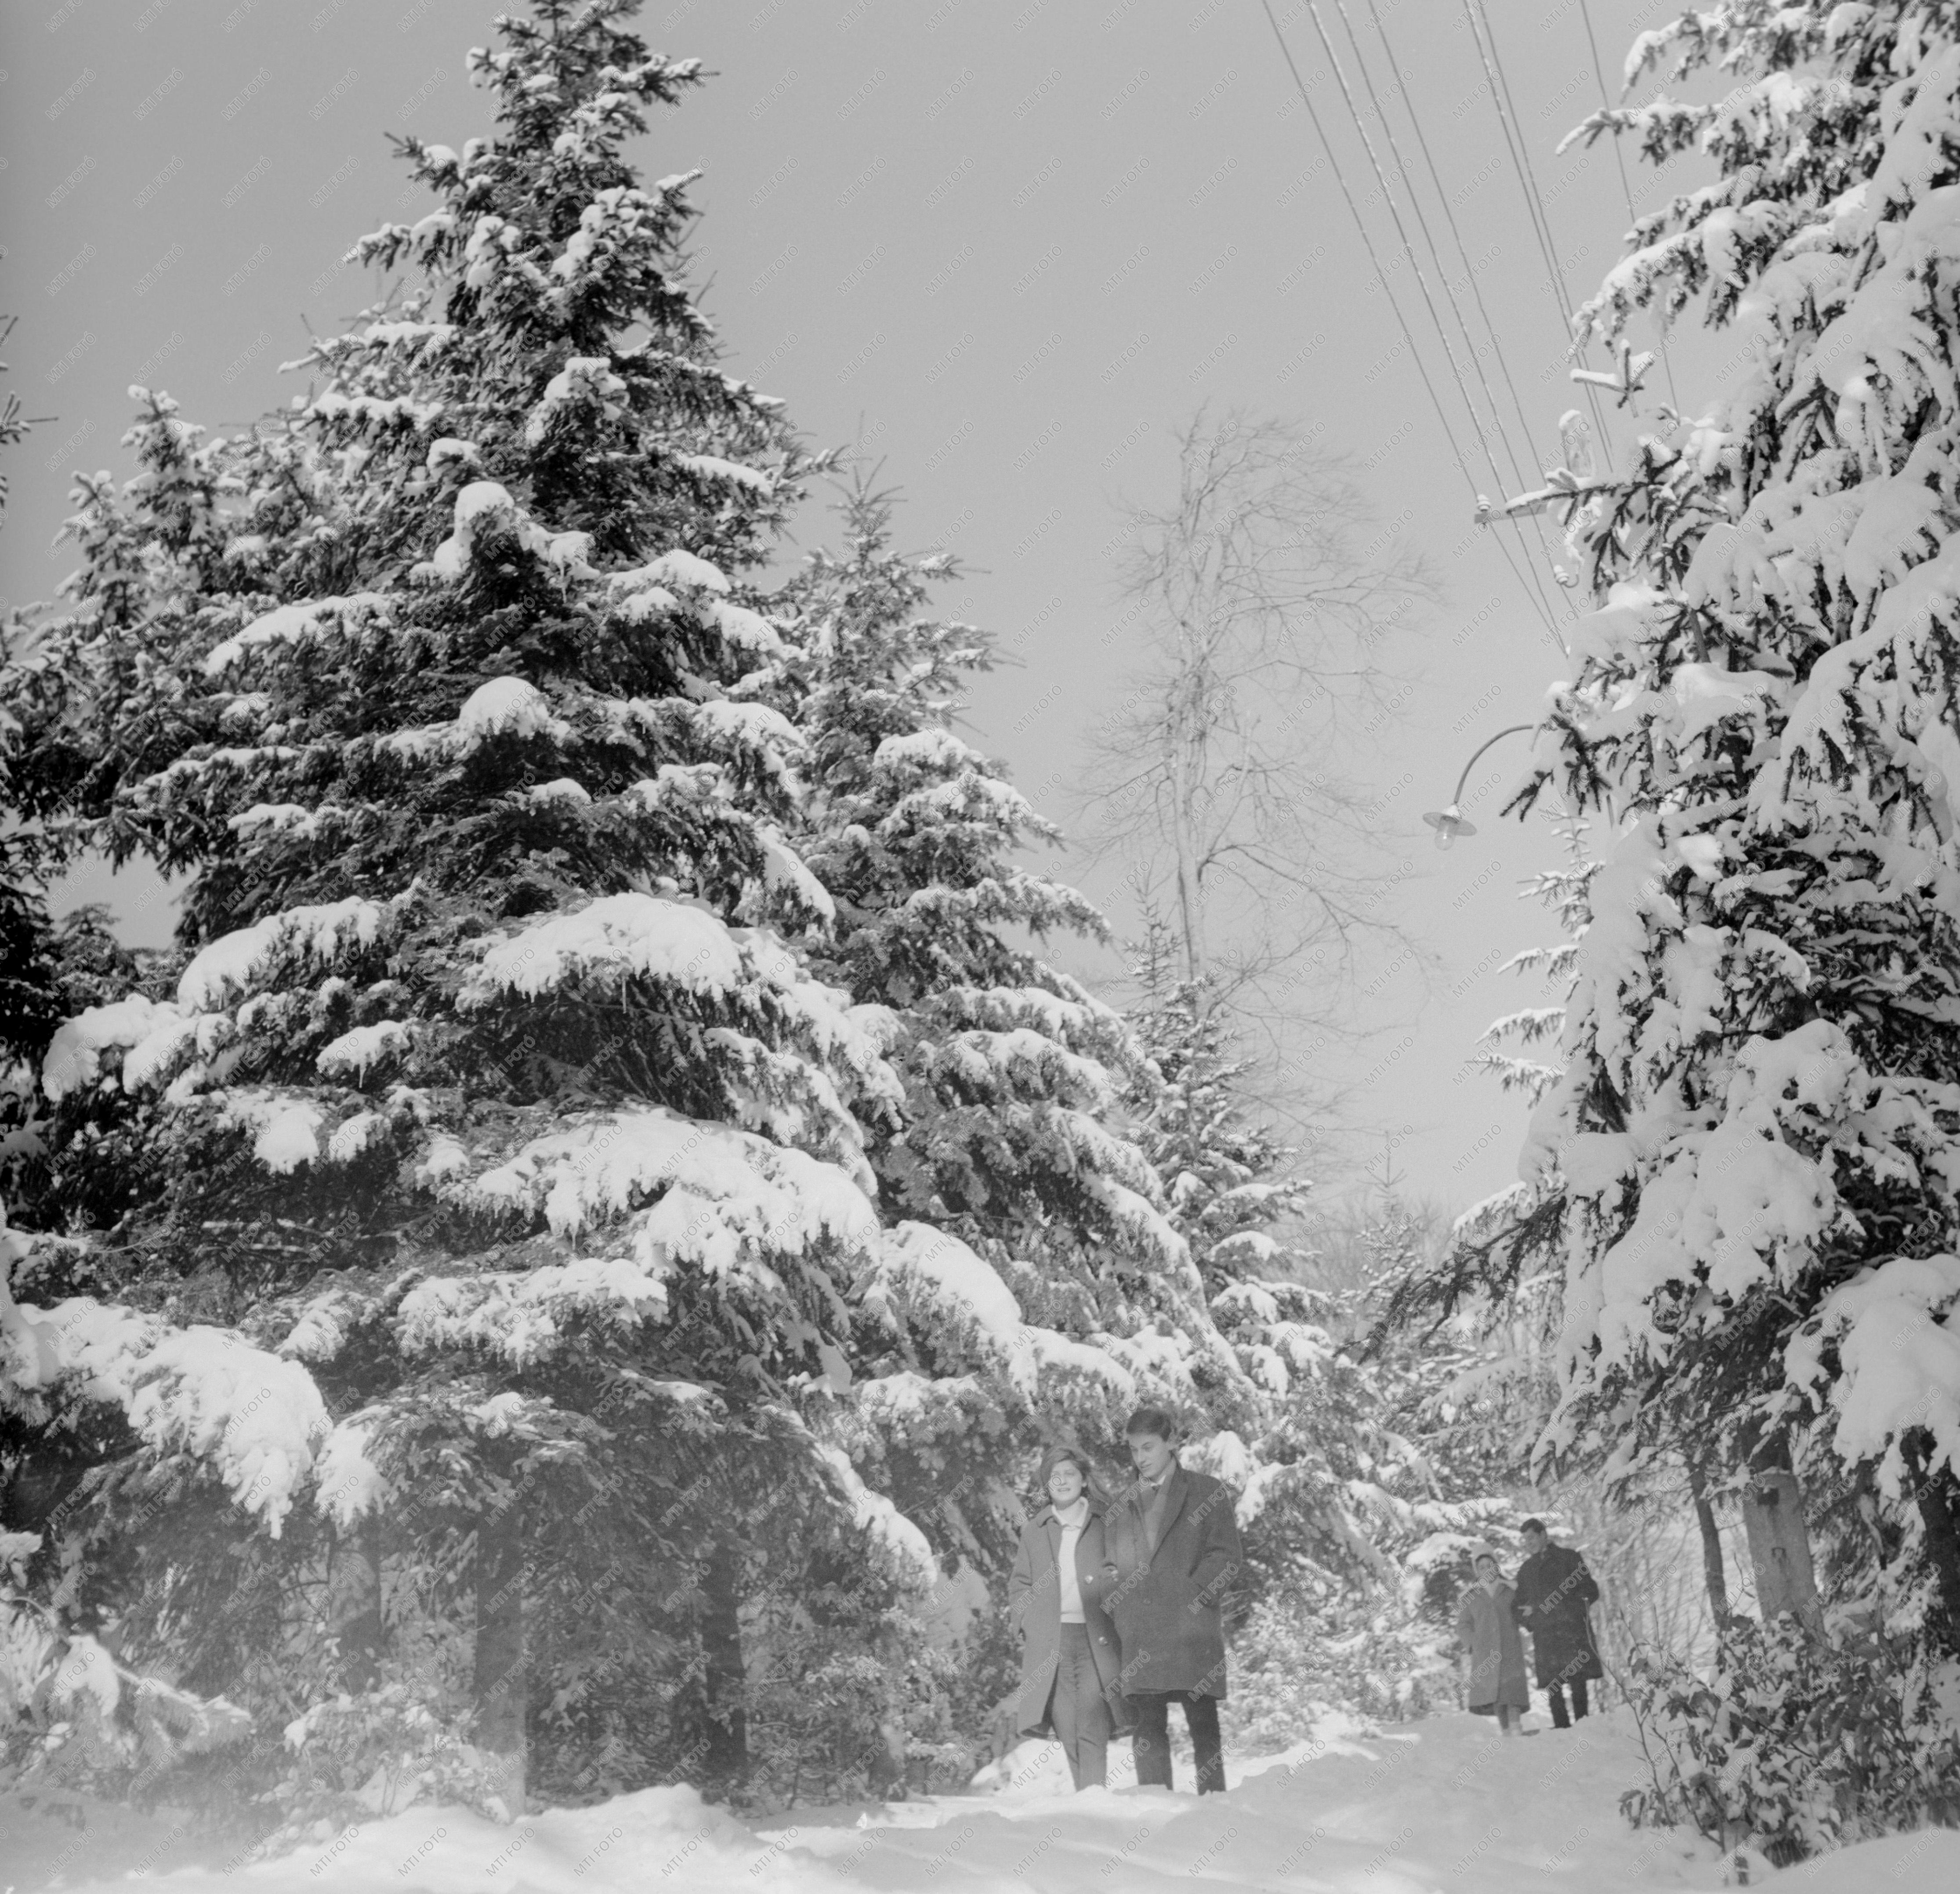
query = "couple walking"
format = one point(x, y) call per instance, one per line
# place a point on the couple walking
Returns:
point(1119, 1605)
point(1549, 1600)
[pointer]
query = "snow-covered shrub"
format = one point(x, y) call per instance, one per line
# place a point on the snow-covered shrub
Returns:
point(837, 1673)
point(1794, 1745)
point(378, 1752)
point(981, 1685)
point(70, 1713)
point(1296, 1658)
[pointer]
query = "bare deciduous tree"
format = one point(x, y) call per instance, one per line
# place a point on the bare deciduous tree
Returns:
point(1228, 776)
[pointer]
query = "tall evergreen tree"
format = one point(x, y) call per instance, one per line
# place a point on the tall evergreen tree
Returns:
point(1037, 1286)
point(1757, 1123)
point(461, 1216)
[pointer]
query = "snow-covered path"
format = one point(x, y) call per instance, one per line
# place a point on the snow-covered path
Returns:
point(1439, 1807)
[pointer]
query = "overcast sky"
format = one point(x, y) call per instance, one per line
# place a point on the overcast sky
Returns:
point(1008, 248)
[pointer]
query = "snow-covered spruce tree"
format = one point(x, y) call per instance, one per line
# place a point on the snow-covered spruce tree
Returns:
point(447, 1240)
point(66, 1705)
point(1235, 1197)
point(1758, 1121)
point(1232, 1184)
point(1037, 1289)
point(1346, 1517)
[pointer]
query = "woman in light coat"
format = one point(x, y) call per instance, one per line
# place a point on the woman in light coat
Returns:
point(1487, 1627)
point(1070, 1666)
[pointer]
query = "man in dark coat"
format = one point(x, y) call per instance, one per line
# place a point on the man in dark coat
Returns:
point(1173, 1549)
point(1554, 1589)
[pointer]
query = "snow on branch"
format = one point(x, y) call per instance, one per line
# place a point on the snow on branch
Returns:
point(489, 523)
point(258, 1421)
point(67, 1681)
point(523, 1316)
point(929, 1279)
point(1899, 1354)
point(619, 936)
point(73, 1060)
point(503, 707)
point(300, 624)
point(724, 1195)
point(902, 1542)
point(624, 936)
point(236, 963)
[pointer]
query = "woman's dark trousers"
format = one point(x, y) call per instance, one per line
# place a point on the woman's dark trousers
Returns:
point(1078, 1712)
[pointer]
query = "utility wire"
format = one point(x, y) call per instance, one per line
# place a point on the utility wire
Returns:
point(1527, 183)
point(1381, 275)
point(1415, 263)
point(1626, 188)
point(1524, 479)
point(1463, 249)
point(1435, 256)
point(1544, 218)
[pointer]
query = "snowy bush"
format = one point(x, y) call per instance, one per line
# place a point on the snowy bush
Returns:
point(848, 1696)
point(379, 1751)
point(1793, 1745)
point(70, 1713)
point(1372, 1656)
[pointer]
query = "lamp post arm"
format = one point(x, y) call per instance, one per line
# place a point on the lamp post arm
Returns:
point(1510, 730)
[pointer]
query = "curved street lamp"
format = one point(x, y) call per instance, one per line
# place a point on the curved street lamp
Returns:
point(1449, 823)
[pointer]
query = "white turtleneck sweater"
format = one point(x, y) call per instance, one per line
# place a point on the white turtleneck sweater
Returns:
point(1073, 1519)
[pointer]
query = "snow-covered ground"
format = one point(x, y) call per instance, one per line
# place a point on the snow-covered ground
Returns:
point(1443, 1806)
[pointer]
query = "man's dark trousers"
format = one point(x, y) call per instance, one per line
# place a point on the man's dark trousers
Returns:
point(1151, 1742)
point(1554, 1695)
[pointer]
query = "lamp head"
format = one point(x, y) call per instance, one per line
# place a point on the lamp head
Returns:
point(1449, 824)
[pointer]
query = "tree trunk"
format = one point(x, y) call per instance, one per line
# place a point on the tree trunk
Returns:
point(1713, 1573)
point(500, 1682)
point(1938, 1499)
point(360, 1625)
point(1779, 1541)
point(723, 1677)
point(1190, 900)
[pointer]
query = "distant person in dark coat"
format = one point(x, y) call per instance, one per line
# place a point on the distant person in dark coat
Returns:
point(1487, 1627)
point(1554, 1589)
point(1069, 1661)
point(1173, 1548)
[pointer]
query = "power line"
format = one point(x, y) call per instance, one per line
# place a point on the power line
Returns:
point(1462, 250)
point(1507, 113)
point(1408, 250)
point(1422, 224)
point(1381, 275)
point(1450, 216)
point(1626, 187)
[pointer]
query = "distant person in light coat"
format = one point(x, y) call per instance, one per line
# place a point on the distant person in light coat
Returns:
point(1553, 1590)
point(1173, 1545)
point(1487, 1628)
point(1069, 1664)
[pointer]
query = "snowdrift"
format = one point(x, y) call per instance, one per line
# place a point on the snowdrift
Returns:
point(1442, 1805)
